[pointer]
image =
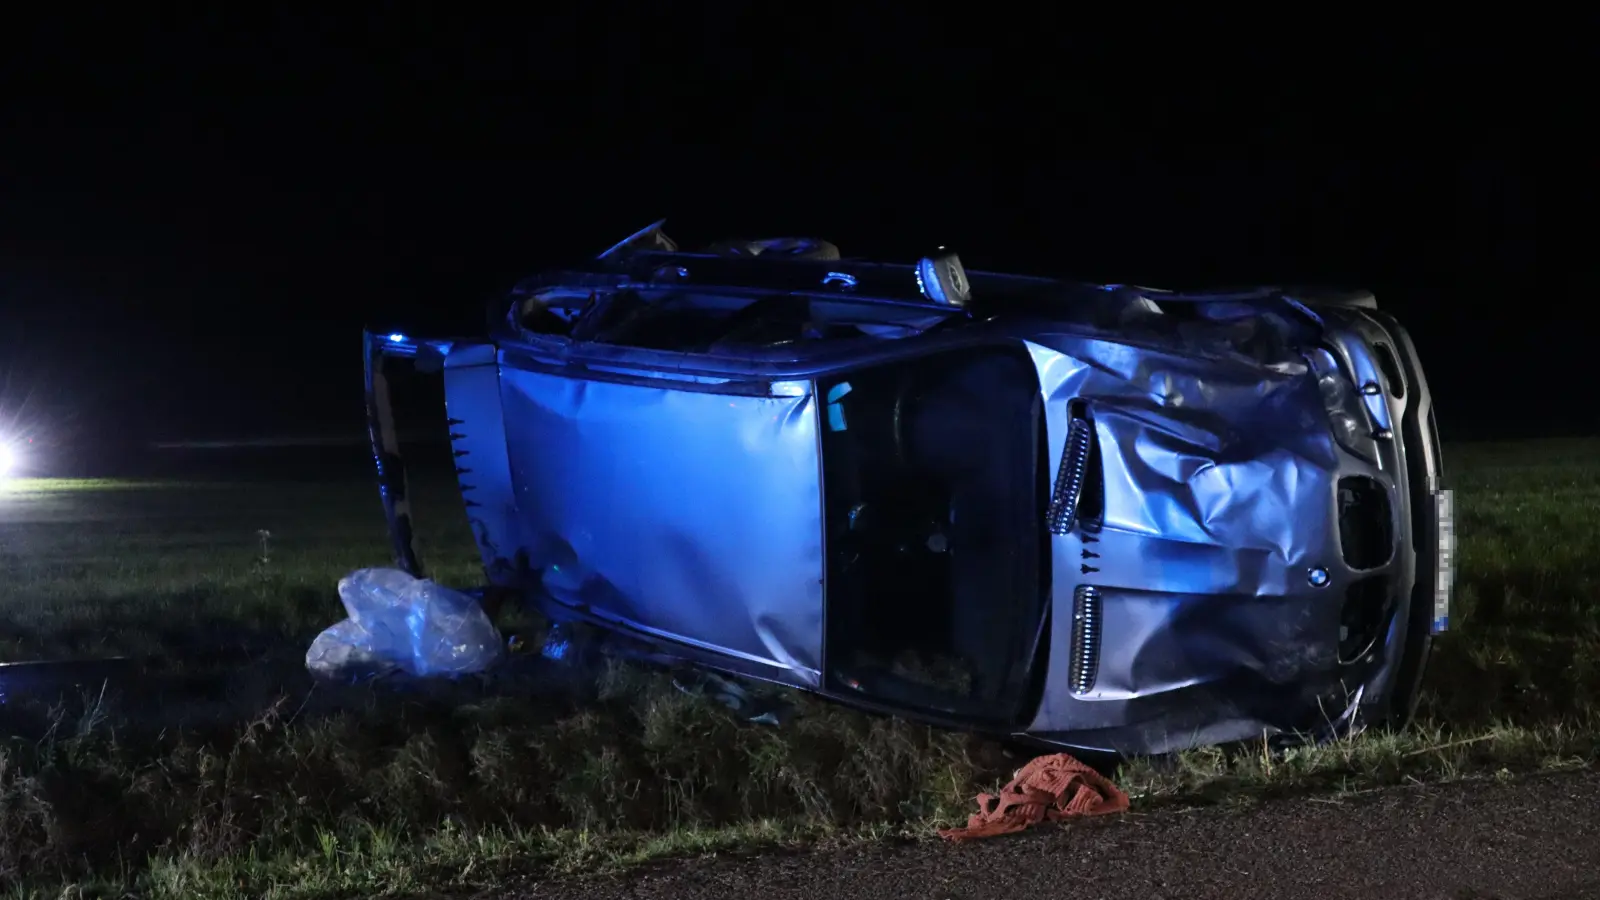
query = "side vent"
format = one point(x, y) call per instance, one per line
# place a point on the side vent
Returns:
point(459, 444)
point(1085, 661)
point(1075, 474)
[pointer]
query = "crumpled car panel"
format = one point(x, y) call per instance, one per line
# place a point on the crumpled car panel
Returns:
point(690, 515)
point(1215, 562)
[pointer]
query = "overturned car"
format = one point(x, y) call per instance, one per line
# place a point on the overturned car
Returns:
point(1094, 516)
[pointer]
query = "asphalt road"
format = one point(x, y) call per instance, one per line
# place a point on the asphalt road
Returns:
point(1530, 840)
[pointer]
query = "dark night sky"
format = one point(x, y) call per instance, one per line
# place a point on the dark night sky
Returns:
point(197, 216)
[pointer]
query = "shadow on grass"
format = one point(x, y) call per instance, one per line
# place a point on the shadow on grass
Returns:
point(1525, 649)
point(1521, 677)
point(1555, 600)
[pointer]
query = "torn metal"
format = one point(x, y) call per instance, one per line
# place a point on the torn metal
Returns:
point(1099, 517)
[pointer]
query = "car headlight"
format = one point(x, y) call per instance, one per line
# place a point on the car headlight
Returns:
point(1346, 415)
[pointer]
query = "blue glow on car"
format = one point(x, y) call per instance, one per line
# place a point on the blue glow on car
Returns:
point(835, 411)
point(790, 388)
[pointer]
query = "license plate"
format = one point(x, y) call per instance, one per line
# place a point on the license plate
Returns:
point(1444, 508)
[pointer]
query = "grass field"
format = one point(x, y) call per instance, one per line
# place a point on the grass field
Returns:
point(397, 794)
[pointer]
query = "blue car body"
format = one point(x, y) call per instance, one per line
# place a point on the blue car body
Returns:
point(1114, 518)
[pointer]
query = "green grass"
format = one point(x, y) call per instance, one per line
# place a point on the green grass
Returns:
point(148, 568)
point(418, 794)
point(1526, 644)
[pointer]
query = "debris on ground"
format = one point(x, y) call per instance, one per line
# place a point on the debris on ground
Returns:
point(1050, 788)
point(757, 709)
point(401, 623)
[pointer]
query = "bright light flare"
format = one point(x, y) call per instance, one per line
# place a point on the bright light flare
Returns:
point(8, 460)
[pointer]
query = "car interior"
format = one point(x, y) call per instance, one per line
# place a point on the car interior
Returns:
point(935, 495)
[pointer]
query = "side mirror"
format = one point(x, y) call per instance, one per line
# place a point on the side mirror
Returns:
point(942, 279)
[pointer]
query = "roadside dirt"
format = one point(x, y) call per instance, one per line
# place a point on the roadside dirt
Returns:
point(1529, 839)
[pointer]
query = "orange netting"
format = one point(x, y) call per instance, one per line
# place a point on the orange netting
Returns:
point(1050, 788)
